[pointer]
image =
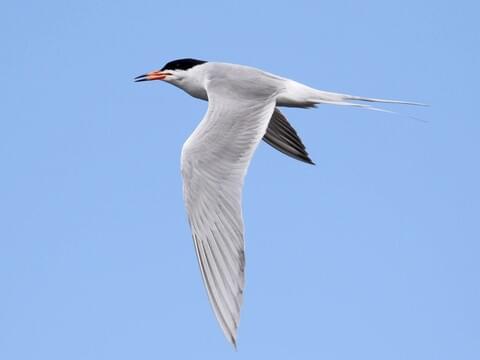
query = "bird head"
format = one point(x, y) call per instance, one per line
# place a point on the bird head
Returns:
point(173, 72)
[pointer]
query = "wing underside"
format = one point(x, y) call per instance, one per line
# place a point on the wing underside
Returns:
point(215, 159)
point(283, 137)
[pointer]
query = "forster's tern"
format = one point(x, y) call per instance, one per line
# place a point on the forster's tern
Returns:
point(242, 110)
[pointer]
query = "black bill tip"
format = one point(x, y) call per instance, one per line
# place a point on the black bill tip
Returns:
point(139, 78)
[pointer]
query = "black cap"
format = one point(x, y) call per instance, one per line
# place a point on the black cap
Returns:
point(182, 64)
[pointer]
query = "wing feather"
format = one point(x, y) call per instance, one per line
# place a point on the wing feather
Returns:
point(215, 159)
point(283, 137)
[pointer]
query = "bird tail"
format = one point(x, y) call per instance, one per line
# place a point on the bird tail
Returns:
point(299, 95)
point(331, 97)
point(324, 97)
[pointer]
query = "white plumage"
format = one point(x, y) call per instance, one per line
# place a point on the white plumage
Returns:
point(241, 111)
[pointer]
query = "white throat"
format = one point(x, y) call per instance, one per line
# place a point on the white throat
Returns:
point(192, 81)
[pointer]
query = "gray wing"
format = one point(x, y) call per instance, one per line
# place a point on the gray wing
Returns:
point(283, 137)
point(215, 159)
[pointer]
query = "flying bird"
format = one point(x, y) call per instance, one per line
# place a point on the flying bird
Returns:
point(243, 108)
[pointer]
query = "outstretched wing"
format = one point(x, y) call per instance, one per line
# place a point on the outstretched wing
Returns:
point(215, 159)
point(283, 137)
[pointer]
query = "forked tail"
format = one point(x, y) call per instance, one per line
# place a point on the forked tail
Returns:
point(325, 97)
point(299, 95)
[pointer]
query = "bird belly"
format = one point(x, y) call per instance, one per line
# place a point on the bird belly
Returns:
point(295, 94)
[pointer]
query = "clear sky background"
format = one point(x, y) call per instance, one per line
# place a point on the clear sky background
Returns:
point(371, 254)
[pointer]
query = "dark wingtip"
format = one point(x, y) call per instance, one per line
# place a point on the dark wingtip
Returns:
point(304, 159)
point(283, 137)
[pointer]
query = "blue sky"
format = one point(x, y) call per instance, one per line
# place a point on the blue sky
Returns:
point(371, 254)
